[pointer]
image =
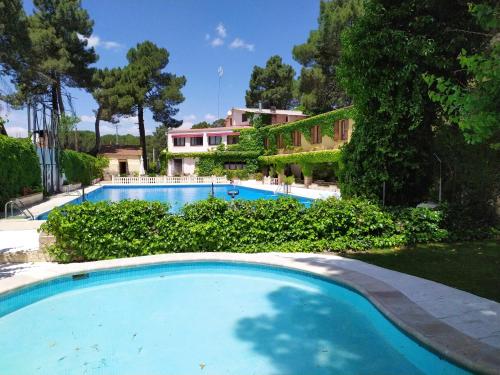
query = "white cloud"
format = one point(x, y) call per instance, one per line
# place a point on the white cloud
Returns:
point(111, 45)
point(188, 121)
point(95, 41)
point(217, 42)
point(221, 30)
point(87, 118)
point(209, 117)
point(16, 131)
point(240, 43)
point(132, 120)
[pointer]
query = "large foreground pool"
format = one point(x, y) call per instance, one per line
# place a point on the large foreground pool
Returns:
point(202, 318)
point(176, 196)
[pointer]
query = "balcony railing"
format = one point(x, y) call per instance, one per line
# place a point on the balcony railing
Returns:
point(169, 180)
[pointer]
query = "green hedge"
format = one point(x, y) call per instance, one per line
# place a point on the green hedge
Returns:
point(81, 167)
point(104, 230)
point(19, 168)
point(311, 157)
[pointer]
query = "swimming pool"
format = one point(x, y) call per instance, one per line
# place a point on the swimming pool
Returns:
point(202, 317)
point(176, 196)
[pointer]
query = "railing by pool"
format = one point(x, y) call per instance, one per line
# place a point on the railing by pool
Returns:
point(169, 180)
point(271, 181)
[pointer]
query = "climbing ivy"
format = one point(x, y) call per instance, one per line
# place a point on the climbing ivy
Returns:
point(304, 159)
point(325, 122)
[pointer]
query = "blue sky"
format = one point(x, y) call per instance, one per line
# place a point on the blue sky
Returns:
point(200, 35)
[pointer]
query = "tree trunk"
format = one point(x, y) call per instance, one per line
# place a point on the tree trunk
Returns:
point(3, 131)
point(55, 119)
point(142, 136)
point(59, 96)
point(97, 146)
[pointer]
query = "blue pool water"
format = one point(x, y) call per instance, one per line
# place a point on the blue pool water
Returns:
point(176, 196)
point(202, 318)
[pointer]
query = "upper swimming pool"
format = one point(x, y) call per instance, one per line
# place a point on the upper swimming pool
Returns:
point(176, 196)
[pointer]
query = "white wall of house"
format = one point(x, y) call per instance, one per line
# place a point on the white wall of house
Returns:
point(133, 166)
point(187, 168)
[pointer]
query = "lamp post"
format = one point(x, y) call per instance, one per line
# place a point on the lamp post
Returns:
point(440, 176)
point(220, 73)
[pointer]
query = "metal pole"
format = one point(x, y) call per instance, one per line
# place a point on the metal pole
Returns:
point(383, 193)
point(440, 177)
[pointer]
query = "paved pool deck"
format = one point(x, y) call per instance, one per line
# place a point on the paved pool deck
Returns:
point(462, 327)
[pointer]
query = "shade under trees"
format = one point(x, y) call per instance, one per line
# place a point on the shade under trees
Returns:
point(385, 55)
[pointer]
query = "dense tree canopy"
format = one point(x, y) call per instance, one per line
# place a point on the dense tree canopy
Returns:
point(59, 55)
point(475, 107)
point(14, 39)
point(143, 84)
point(385, 55)
point(271, 85)
point(319, 89)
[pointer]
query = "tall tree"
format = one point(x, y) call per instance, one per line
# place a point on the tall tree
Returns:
point(271, 85)
point(110, 104)
point(14, 38)
point(319, 89)
point(144, 85)
point(475, 107)
point(58, 30)
point(385, 55)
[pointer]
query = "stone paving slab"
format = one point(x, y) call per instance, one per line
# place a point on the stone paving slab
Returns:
point(469, 336)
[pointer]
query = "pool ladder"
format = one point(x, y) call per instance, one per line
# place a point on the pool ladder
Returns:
point(20, 206)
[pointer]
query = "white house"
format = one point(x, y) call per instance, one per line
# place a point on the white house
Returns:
point(123, 160)
point(240, 116)
point(206, 139)
point(197, 140)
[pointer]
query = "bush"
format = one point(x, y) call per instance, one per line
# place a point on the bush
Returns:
point(19, 168)
point(104, 230)
point(81, 167)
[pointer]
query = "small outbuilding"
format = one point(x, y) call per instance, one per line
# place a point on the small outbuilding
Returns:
point(123, 160)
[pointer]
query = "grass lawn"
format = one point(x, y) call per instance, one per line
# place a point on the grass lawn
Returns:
point(470, 266)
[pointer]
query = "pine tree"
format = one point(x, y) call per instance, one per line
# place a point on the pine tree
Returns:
point(271, 85)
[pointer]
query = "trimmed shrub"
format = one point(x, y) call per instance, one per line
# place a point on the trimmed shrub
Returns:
point(81, 167)
point(104, 230)
point(19, 168)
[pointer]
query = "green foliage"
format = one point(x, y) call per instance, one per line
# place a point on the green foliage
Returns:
point(302, 158)
point(203, 125)
point(271, 85)
point(67, 126)
point(19, 168)
point(475, 107)
point(325, 121)
point(289, 180)
point(143, 84)
point(385, 53)
point(104, 230)
point(14, 42)
point(318, 86)
point(81, 167)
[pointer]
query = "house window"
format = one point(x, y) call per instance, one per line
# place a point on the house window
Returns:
point(296, 137)
point(234, 166)
point(179, 142)
point(286, 118)
point(244, 117)
point(344, 126)
point(266, 143)
point(214, 140)
point(196, 141)
point(233, 139)
point(315, 134)
point(279, 141)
